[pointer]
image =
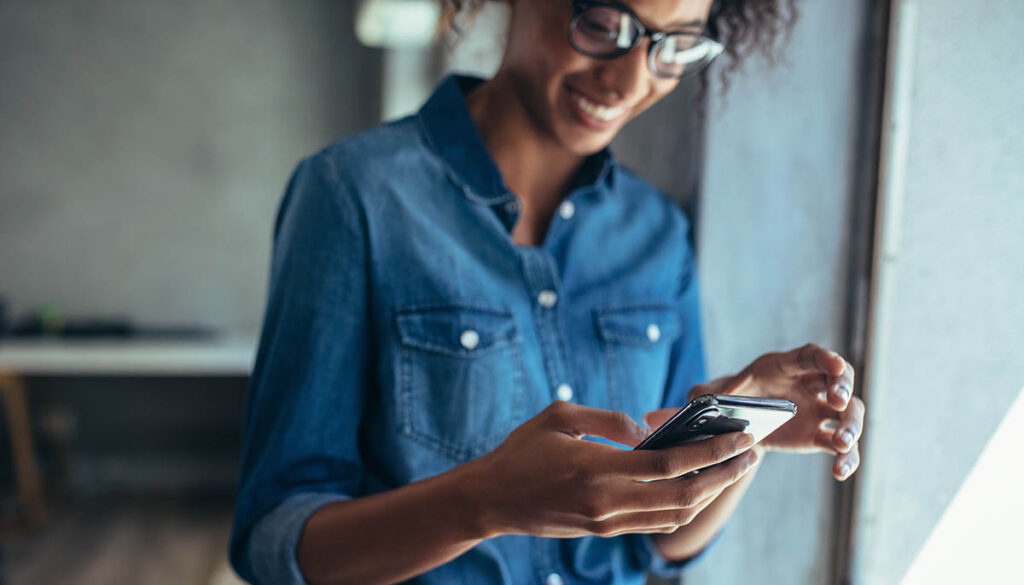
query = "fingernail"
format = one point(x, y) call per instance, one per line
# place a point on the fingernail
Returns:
point(845, 437)
point(751, 459)
point(844, 393)
point(844, 471)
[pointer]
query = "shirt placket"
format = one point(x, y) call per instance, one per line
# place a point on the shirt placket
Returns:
point(542, 280)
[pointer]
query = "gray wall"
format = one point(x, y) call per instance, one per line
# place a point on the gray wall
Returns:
point(146, 145)
point(144, 150)
point(773, 251)
point(947, 343)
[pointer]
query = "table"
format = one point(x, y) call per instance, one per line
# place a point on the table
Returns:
point(229, 356)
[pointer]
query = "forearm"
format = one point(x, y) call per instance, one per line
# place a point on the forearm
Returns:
point(391, 536)
point(694, 537)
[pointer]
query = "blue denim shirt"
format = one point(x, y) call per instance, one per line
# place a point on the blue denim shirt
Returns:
point(406, 333)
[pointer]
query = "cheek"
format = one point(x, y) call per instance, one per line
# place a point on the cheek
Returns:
point(659, 90)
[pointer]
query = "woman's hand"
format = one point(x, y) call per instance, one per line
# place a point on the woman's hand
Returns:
point(545, 480)
point(829, 418)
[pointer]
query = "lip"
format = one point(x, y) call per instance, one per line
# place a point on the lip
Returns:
point(586, 119)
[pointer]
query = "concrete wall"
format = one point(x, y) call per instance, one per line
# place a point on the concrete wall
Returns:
point(773, 251)
point(146, 146)
point(947, 344)
point(144, 150)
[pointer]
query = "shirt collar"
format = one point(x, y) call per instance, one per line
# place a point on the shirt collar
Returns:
point(451, 132)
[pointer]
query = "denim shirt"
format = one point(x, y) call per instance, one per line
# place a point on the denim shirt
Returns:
point(406, 333)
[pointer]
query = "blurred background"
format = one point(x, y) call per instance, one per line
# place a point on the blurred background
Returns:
point(865, 192)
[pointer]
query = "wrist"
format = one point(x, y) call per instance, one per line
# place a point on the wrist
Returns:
point(474, 501)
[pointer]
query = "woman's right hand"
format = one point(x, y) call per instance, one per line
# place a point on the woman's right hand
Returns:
point(544, 480)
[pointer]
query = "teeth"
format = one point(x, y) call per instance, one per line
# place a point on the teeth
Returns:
point(598, 111)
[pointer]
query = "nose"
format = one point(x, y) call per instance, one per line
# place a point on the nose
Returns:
point(626, 76)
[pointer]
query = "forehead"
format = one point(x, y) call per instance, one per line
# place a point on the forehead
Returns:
point(666, 14)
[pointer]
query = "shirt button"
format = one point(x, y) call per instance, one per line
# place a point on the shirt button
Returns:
point(564, 392)
point(567, 209)
point(469, 339)
point(554, 579)
point(512, 206)
point(547, 298)
point(653, 333)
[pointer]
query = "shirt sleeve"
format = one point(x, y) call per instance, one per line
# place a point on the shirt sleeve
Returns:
point(687, 368)
point(311, 372)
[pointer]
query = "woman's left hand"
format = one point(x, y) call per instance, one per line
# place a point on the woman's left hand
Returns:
point(820, 382)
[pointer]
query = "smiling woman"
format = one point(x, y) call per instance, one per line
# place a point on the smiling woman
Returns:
point(458, 297)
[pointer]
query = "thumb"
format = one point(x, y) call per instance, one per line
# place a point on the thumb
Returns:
point(578, 420)
point(656, 418)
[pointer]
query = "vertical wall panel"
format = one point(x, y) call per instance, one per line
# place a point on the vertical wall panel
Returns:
point(947, 336)
point(780, 153)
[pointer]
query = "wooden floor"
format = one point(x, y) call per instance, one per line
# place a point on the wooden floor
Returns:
point(137, 541)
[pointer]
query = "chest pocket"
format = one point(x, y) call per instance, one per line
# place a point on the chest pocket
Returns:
point(461, 379)
point(636, 339)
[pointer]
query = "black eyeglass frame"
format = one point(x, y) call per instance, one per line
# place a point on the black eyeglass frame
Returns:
point(656, 36)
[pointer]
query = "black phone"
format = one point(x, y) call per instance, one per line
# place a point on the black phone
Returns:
point(717, 414)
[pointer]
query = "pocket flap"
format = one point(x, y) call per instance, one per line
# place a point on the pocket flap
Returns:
point(458, 329)
point(641, 324)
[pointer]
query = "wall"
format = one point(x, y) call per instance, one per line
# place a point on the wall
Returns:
point(947, 339)
point(773, 250)
point(146, 146)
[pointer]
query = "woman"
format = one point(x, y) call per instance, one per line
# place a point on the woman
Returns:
point(459, 297)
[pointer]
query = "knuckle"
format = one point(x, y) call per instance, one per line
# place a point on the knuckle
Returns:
point(600, 528)
point(622, 420)
point(722, 448)
point(688, 497)
point(662, 464)
point(594, 507)
point(554, 413)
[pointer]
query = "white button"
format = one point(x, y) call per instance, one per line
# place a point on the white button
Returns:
point(469, 339)
point(554, 579)
point(567, 209)
point(512, 206)
point(653, 333)
point(564, 392)
point(547, 298)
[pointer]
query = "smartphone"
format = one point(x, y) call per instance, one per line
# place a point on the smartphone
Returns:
point(717, 414)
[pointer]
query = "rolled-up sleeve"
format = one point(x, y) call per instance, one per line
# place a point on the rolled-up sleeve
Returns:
point(307, 392)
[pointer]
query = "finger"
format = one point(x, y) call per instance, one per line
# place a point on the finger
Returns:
point(841, 388)
point(692, 491)
point(578, 420)
point(851, 424)
point(648, 522)
point(810, 358)
point(825, 439)
point(815, 383)
point(846, 464)
point(656, 418)
point(680, 460)
point(826, 411)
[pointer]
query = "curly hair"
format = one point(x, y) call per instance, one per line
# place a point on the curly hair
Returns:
point(742, 26)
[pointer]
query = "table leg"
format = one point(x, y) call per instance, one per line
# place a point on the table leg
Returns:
point(26, 469)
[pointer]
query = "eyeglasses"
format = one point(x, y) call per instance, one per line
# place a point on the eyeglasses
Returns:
point(606, 30)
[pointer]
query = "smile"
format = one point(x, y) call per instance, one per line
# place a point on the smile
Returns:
point(595, 110)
